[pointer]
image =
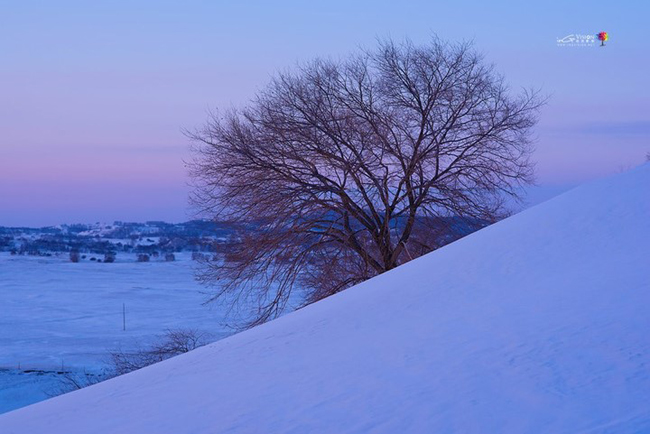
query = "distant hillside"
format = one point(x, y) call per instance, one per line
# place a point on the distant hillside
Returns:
point(100, 238)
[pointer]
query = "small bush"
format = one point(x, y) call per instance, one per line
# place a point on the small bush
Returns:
point(197, 256)
point(74, 256)
point(169, 257)
point(142, 257)
point(172, 343)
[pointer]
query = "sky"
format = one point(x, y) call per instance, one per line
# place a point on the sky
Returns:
point(95, 96)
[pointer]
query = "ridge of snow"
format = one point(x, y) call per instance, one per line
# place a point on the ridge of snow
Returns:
point(538, 323)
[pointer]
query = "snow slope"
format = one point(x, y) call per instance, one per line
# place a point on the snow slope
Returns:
point(537, 324)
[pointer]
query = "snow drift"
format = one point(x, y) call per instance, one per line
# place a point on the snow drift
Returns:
point(537, 324)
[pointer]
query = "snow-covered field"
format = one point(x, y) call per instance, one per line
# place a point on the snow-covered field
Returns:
point(536, 324)
point(58, 315)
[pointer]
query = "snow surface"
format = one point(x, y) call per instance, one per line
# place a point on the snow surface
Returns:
point(59, 315)
point(537, 324)
point(56, 312)
point(19, 388)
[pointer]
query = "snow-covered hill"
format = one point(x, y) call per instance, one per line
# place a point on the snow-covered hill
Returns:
point(537, 324)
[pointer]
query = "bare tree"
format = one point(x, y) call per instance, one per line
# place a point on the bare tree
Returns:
point(346, 168)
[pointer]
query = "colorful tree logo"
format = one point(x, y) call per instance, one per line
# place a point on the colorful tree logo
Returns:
point(602, 37)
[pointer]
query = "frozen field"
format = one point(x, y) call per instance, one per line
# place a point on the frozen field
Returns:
point(60, 314)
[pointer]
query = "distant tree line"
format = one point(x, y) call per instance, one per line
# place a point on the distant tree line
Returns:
point(152, 238)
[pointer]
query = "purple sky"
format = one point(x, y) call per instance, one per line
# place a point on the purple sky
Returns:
point(94, 95)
